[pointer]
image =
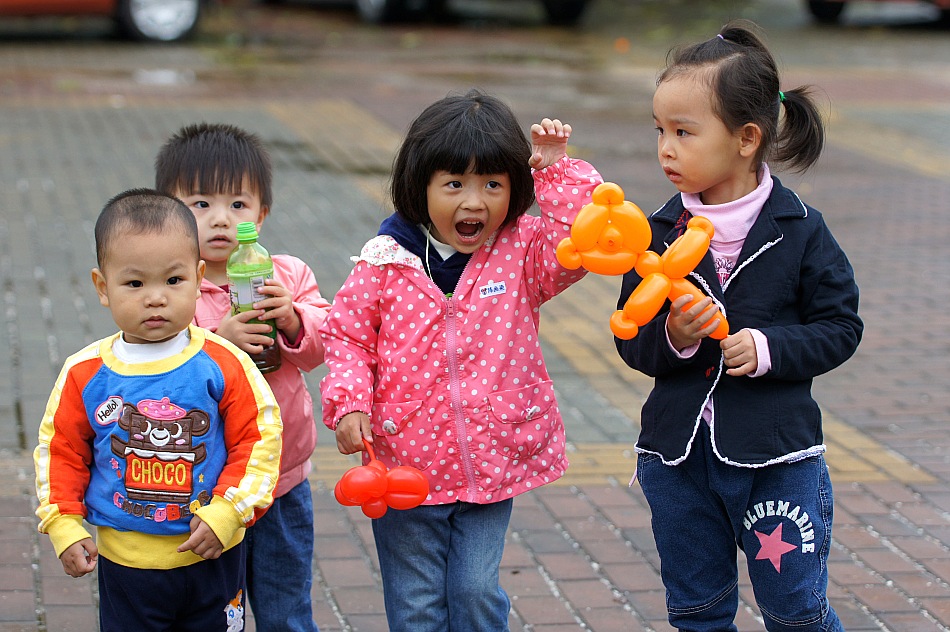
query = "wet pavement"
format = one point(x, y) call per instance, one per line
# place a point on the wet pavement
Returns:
point(82, 115)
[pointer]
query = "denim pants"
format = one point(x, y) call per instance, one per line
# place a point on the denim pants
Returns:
point(779, 515)
point(280, 564)
point(440, 567)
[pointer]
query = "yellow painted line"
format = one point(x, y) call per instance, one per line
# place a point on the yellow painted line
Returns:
point(590, 462)
point(609, 463)
point(355, 143)
point(889, 146)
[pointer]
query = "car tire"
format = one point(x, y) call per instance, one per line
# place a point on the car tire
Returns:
point(387, 11)
point(380, 11)
point(158, 20)
point(824, 11)
point(564, 12)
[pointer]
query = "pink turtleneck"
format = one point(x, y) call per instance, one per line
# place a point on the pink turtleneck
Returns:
point(732, 222)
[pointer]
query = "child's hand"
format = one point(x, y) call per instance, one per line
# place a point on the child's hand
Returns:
point(548, 142)
point(249, 337)
point(203, 541)
point(684, 328)
point(80, 558)
point(279, 306)
point(739, 353)
point(350, 431)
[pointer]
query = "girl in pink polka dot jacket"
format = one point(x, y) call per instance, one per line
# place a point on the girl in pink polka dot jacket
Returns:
point(433, 350)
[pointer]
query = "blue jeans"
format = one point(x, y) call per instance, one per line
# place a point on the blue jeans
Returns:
point(440, 567)
point(780, 516)
point(280, 564)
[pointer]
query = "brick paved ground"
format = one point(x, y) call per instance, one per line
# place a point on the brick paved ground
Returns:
point(79, 123)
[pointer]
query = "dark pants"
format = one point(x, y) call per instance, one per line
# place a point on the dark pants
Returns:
point(202, 597)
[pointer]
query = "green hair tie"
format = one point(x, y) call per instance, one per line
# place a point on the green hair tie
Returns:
point(781, 96)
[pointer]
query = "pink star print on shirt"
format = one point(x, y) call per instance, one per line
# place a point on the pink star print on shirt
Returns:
point(773, 547)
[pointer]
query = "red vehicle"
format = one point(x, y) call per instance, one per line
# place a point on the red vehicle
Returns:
point(830, 10)
point(150, 20)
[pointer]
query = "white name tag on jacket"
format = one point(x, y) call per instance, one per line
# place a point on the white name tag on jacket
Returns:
point(492, 289)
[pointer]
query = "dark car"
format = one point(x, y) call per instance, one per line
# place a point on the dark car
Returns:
point(564, 12)
point(830, 10)
point(150, 20)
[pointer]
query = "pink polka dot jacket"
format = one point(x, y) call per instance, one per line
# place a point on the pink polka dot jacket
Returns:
point(457, 386)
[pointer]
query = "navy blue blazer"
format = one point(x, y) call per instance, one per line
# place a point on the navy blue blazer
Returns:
point(793, 283)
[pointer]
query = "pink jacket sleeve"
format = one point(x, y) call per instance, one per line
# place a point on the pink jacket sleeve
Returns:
point(351, 332)
point(561, 189)
point(306, 352)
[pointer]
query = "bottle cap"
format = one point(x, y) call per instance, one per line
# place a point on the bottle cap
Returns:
point(246, 231)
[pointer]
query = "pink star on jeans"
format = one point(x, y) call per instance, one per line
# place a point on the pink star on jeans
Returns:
point(773, 547)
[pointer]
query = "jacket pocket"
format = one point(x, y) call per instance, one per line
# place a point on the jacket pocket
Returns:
point(521, 421)
point(401, 436)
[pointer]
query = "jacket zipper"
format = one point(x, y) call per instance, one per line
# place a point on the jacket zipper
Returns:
point(451, 353)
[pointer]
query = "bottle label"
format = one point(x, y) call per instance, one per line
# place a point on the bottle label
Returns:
point(245, 291)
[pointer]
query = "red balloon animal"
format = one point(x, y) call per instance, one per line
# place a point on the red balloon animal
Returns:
point(610, 236)
point(375, 489)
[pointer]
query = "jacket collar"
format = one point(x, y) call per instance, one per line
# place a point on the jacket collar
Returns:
point(782, 204)
point(212, 288)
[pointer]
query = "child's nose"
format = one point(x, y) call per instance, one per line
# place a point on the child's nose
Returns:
point(220, 216)
point(664, 148)
point(474, 200)
point(155, 298)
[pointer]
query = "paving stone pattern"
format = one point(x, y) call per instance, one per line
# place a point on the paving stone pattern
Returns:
point(580, 553)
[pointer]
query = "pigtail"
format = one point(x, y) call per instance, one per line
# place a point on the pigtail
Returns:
point(801, 136)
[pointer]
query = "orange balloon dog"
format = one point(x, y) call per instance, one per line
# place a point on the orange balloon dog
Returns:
point(610, 236)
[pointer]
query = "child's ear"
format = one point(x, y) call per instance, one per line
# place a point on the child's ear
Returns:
point(750, 138)
point(265, 211)
point(99, 280)
point(202, 266)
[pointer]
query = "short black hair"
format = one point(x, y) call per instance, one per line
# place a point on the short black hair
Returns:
point(142, 211)
point(214, 158)
point(457, 132)
point(744, 79)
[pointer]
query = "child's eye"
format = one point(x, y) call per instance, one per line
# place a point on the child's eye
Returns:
point(135, 284)
point(454, 184)
point(175, 280)
point(493, 184)
point(682, 132)
point(201, 204)
point(238, 205)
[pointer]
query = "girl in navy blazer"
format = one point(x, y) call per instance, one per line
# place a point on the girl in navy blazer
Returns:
point(731, 448)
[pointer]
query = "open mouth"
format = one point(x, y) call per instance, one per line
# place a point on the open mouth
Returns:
point(469, 232)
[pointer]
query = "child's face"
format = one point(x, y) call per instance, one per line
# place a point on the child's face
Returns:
point(150, 281)
point(218, 215)
point(466, 209)
point(698, 153)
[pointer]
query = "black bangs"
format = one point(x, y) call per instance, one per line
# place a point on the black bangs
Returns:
point(464, 145)
point(214, 158)
point(220, 171)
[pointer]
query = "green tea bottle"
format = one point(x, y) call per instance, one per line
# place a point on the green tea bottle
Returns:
point(248, 266)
